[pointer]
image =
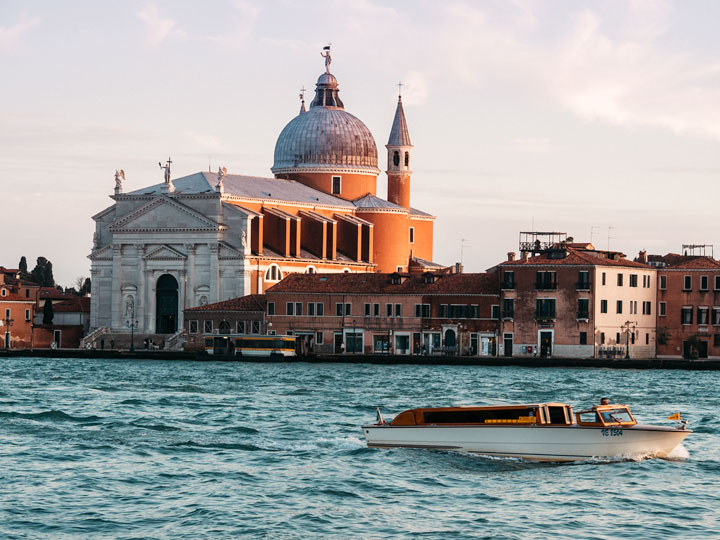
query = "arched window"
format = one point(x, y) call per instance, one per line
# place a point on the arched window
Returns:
point(346, 270)
point(224, 327)
point(396, 158)
point(4, 292)
point(407, 159)
point(273, 273)
point(311, 270)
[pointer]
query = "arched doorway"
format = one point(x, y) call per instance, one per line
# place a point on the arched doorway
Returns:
point(167, 305)
point(450, 340)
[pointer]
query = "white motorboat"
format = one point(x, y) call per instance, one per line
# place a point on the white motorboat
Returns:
point(541, 431)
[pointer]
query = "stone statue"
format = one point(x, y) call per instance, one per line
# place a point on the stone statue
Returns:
point(130, 307)
point(119, 178)
point(328, 59)
point(203, 300)
point(96, 239)
point(166, 168)
point(222, 173)
point(243, 240)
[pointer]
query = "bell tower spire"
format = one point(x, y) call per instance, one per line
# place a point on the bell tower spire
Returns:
point(399, 149)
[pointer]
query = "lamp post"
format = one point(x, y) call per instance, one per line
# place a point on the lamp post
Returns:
point(354, 337)
point(628, 327)
point(133, 324)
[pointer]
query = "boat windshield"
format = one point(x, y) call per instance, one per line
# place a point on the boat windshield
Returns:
point(606, 415)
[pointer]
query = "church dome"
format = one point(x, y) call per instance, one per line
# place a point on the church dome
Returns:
point(326, 137)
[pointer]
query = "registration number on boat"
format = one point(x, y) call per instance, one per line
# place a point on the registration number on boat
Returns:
point(611, 432)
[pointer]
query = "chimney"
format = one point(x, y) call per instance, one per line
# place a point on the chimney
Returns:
point(642, 257)
point(511, 255)
point(525, 255)
point(458, 268)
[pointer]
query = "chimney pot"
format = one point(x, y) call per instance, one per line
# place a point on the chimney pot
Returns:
point(511, 255)
point(642, 257)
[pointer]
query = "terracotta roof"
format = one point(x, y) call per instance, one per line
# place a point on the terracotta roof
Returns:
point(699, 263)
point(12, 296)
point(76, 304)
point(575, 257)
point(670, 259)
point(448, 284)
point(53, 293)
point(251, 302)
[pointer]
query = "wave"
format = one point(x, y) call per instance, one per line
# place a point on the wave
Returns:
point(52, 415)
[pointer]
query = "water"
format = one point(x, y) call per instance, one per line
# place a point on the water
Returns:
point(148, 449)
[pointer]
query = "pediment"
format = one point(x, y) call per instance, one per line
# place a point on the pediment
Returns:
point(165, 253)
point(101, 254)
point(229, 252)
point(164, 214)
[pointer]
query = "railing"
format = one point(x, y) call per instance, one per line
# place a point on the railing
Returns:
point(508, 314)
point(92, 336)
point(544, 316)
point(583, 286)
point(173, 343)
point(583, 315)
point(611, 352)
point(546, 285)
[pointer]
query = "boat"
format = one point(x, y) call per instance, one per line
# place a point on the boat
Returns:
point(539, 431)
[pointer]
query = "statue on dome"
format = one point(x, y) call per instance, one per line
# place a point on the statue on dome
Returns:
point(222, 173)
point(166, 168)
point(327, 57)
point(119, 177)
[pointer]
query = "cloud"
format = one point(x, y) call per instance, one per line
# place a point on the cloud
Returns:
point(10, 35)
point(534, 145)
point(245, 17)
point(157, 27)
point(414, 88)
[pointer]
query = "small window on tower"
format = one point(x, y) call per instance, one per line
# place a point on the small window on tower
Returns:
point(407, 159)
point(396, 158)
point(412, 235)
point(336, 185)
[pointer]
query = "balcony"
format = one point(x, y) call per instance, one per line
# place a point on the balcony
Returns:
point(508, 314)
point(583, 286)
point(544, 317)
point(583, 315)
point(546, 285)
point(508, 286)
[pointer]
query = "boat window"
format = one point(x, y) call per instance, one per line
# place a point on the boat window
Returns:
point(491, 416)
point(557, 415)
point(616, 415)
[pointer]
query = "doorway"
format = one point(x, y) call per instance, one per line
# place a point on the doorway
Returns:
point(546, 342)
point(167, 305)
point(508, 344)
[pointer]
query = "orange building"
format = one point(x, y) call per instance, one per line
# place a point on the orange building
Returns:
point(16, 311)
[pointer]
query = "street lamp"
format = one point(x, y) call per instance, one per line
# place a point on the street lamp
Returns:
point(132, 324)
point(627, 327)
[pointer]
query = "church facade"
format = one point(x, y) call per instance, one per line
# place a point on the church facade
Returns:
point(209, 237)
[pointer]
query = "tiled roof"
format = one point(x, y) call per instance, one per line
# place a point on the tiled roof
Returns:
point(575, 257)
point(251, 302)
point(371, 201)
point(399, 135)
point(55, 294)
point(11, 296)
point(670, 259)
point(449, 284)
point(699, 263)
point(77, 304)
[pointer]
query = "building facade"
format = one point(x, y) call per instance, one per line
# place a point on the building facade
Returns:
point(210, 237)
point(575, 301)
point(688, 309)
point(398, 313)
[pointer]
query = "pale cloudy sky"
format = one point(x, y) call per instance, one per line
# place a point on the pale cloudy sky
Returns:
point(552, 115)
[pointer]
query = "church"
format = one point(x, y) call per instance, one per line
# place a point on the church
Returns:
point(213, 236)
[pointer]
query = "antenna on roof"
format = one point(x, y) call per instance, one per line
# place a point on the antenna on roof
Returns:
point(209, 165)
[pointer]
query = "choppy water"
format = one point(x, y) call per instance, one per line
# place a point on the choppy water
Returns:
point(148, 449)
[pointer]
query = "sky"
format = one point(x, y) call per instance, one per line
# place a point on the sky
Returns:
point(600, 119)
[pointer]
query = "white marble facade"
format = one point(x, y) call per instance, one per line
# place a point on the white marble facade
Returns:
point(194, 237)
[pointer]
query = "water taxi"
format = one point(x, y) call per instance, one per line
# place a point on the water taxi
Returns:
point(540, 431)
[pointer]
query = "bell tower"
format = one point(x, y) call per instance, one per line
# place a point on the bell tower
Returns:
point(398, 168)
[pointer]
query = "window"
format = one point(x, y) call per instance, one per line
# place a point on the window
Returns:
point(633, 307)
point(583, 280)
point(620, 280)
point(422, 310)
point(508, 279)
point(255, 327)
point(603, 306)
point(508, 308)
point(546, 280)
point(311, 270)
point(603, 278)
point(273, 273)
point(348, 308)
point(388, 310)
point(271, 308)
point(4, 292)
point(412, 235)
point(702, 315)
point(617, 337)
point(647, 338)
point(443, 310)
point(240, 327)
point(716, 315)
point(407, 159)
point(602, 338)
point(662, 309)
point(494, 311)
point(663, 283)
point(7, 313)
point(193, 327)
point(320, 309)
point(398, 310)
point(716, 340)
point(367, 310)
point(583, 308)
point(583, 338)
point(633, 280)
point(311, 309)
point(376, 310)
point(686, 315)
point(545, 308)
point(703, 283)
point(618, 306)
point(289, 308)
point(27, 315)
point(336, 185)
point(717, 283)
point(319, 338)
point(396, 158)
point(687, 283)
point(298, 308)
point(207, 327)
point(647, 308)
point(339, 310)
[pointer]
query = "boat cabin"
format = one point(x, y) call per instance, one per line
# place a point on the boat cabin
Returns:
point(540, 414)
point(606, 415)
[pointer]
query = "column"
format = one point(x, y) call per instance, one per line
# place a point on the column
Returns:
point(190, 267)
point(140, 301)
point(116, 306)
point(214, 273)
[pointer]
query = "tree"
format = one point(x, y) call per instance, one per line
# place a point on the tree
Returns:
point(23, 266)
point(42, 273)
point(48, 314)
point(82, 286)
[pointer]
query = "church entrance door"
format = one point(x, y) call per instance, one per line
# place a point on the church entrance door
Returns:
point(167, 305)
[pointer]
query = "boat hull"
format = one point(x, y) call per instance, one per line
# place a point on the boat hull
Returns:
point(535, 442)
